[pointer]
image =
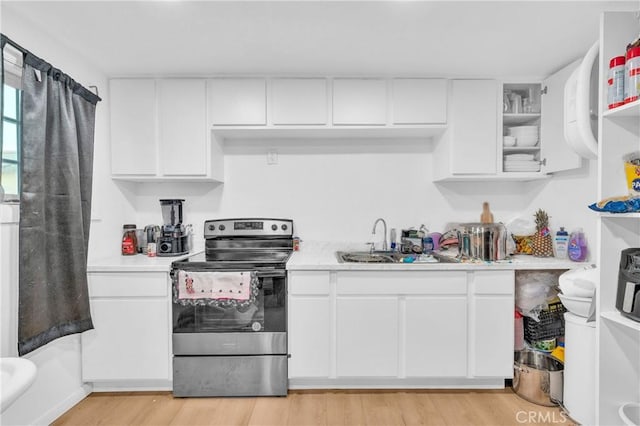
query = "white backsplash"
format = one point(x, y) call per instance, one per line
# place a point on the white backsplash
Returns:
point(336, 194)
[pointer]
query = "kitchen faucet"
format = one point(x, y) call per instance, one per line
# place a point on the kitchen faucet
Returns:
point(384, 242)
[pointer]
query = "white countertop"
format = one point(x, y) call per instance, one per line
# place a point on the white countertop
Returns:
point(314, 256)
point(135, 263)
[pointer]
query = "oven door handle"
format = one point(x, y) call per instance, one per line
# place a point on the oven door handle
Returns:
point(271, 274)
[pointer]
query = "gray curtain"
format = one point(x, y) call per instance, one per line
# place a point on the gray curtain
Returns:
point(55, 205)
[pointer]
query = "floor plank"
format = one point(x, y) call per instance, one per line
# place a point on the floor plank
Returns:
point(318, 407)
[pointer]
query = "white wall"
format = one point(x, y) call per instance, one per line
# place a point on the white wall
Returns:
point(334, 190)
point(58, 385)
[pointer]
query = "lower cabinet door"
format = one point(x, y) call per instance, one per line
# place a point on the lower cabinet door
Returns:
point(493, 329)
point(309, 336)
point(436, 336)
point(367, 337)
point(130, 340)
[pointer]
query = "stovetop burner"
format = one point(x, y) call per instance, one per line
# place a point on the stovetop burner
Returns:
point(244, 243)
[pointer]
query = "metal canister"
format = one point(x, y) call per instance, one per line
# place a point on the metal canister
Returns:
point(483, 241)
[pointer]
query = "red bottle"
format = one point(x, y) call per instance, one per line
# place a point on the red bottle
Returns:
point(129, 240)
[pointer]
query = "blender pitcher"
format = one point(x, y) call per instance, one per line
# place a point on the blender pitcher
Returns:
point(171, 211)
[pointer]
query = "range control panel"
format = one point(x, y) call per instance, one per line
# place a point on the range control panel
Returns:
point(248, 227)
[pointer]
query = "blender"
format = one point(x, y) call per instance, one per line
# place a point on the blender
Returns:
point(175, 236)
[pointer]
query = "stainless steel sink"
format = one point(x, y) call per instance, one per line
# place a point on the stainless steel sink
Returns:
point(385, 257)
point(367, 257)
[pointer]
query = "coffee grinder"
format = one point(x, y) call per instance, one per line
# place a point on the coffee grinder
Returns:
point(175, 237)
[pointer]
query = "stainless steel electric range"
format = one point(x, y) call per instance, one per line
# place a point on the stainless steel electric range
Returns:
point(230, 312)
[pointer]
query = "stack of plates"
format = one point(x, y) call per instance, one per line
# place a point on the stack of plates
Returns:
point(525, 135)
point(521, 163)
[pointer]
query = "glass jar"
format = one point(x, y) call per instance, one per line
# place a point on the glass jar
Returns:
point(129, 240)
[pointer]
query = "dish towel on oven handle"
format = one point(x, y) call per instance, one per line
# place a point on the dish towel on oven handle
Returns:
point(214, 285)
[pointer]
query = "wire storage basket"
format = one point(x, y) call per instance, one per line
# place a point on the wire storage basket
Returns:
point(551, 324)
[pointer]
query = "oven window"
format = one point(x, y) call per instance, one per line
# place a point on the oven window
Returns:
point(267, 312)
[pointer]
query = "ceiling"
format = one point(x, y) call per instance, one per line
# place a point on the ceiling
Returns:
point(431, 38)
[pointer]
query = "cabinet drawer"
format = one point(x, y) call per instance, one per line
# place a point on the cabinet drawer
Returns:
point(309, 282)
point(493, 282)
point(130, 284)
point(402, 282)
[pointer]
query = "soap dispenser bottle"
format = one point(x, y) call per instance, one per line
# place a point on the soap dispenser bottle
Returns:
point(562, 243)
point(577, 249)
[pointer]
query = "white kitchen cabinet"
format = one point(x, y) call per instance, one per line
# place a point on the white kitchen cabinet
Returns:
point(299, 101)
point(359, 101)
point(363, 328)
point(367, 336)
point(133, 127)
point(473, 130)
point(182, 127)
point(492, 311)
point(419, 101)
point(309, 324)
point(472, 149)
point(436, 336)
point(237, 101)
point(545, 110)
point(618, 337)
point(130, 342)
point(555, 153)
point(301, 108)
point(159, 131)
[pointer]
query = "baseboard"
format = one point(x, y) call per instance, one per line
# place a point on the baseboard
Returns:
point(133, 386)
point(51, 415)
point(394, 383)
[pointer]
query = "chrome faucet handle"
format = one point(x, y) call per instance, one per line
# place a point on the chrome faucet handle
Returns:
point(372, 248)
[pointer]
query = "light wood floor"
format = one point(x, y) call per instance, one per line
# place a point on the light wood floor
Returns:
point(302, 408)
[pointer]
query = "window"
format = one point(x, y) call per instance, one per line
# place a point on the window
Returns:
point(11, 123)
point(11, 134)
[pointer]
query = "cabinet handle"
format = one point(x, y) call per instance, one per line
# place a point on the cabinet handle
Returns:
point(543, 162)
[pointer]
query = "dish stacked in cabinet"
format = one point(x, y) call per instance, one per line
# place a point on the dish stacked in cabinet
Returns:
point(521, 127)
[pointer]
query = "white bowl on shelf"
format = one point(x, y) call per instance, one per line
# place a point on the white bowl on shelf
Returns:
point(509, 141)
point(527, 140)
point(576, 305)
point(524, 129)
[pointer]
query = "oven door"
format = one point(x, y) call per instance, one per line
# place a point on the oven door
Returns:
point(258, 326)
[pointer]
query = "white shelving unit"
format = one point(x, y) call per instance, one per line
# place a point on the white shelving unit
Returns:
point(618, 337)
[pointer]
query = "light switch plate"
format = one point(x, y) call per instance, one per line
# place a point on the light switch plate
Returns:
point(272, 157)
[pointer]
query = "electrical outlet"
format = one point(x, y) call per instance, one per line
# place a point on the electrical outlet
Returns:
point(272, 157)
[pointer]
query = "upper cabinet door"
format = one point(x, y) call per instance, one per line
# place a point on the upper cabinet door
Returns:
point(555, 152)
point(474, 116)
point(419, 101)
point(359, 101)
point(299, 101)
point(133, 126)
point(183, 128)
point(237, 101)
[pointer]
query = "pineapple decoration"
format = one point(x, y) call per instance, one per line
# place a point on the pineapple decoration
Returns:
point(542, 242)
